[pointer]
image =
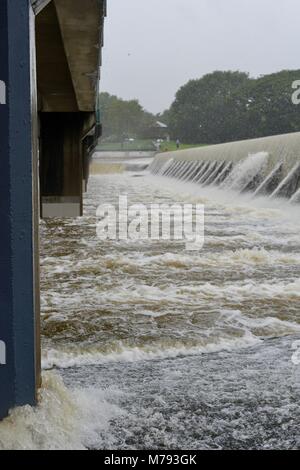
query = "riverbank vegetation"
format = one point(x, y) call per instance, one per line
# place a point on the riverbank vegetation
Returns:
point(219, 107)
point(228, 106)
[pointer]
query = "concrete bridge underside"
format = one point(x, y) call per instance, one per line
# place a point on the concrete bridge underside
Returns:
point(69, 37)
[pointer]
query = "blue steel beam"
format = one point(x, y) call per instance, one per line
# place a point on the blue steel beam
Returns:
point(19, 348)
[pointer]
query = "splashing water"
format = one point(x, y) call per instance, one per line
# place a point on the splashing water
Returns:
point(160, 348)
point(245, 171)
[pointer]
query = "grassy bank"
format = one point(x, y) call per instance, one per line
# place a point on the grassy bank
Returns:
point(171, 146)
point(141, 145)
point(137, 145)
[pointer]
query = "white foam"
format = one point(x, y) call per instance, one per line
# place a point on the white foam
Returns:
point(226, 200)
point(240, 257)
point(266, 326)
point(67, 359)
point(63, 419)
point(244, 172)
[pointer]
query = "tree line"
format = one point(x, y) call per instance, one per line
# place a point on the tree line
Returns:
point(123, 119)
point(228, 106)
point(219, 107)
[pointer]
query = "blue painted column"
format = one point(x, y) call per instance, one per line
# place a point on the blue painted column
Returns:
point(19, 277)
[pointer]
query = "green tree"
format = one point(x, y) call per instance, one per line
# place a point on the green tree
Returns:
point(266, 108)
point(199, 112)
point(122, 118)
point(227, 106)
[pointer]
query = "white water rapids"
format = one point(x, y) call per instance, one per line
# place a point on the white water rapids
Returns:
point(160, 348)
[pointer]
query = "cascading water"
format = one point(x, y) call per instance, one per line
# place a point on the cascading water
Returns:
point(202, 171)
point(296, 197)
point(267, 166)
point(163, 348)
point(197, 171)
point(191, 171)
point(186, 171)
point(174, 168)
point(179, 169)
point(224, 173)
point(215, 173)
point(289, 186)
point(211, 169)
point(271, 182)
point(246, 172)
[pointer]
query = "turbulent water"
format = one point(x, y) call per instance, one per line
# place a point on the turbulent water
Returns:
point(159, 347)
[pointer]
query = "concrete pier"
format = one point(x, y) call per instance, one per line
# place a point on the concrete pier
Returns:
point(49, 75)
point(19, 275)
point(69, 35)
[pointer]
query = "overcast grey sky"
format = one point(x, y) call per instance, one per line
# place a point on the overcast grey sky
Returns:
point(152, 47)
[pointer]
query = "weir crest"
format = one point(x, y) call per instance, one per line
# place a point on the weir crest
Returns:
point(267, 166)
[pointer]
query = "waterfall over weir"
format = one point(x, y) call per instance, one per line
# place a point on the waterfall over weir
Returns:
point(266, 166)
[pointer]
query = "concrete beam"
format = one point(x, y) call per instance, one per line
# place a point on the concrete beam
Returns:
point(81, 25)
point(55, 85)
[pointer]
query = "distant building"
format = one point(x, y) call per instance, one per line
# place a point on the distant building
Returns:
point(161, 131)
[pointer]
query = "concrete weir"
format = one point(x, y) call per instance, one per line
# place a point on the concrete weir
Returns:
point(265, 166)
point(120, 161)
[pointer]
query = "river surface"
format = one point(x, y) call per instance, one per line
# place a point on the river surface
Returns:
point(149, 346)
